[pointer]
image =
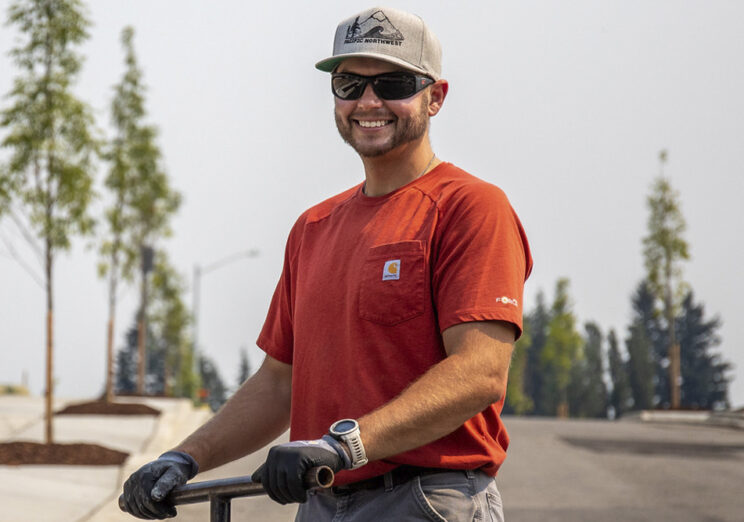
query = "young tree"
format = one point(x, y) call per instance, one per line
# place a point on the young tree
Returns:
point(620, 395)
point(517, 401)
point(561, 350)
point(587, 389)
point(118, 253)
point(664, 248)
point(50, 139)
point(149, 201)
point(169, 320)
point(704, 374)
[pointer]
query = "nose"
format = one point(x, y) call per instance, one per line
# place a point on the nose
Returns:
point(369, 99)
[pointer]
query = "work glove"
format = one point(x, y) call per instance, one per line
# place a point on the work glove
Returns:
point(284, 470)
point(146, 489)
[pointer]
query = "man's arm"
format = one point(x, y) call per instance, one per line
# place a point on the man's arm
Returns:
point(254, 416)
point(471, 377)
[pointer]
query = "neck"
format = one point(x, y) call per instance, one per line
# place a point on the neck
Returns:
point(387, 173)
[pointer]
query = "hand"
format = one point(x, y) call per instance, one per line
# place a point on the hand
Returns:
point(283, 472)
point(146, 488)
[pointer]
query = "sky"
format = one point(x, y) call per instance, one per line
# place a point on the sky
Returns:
point(564, 105)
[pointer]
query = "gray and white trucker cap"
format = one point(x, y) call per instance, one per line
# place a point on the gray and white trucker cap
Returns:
point(390, 35)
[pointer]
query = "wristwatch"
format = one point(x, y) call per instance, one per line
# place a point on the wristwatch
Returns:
point(347, 430)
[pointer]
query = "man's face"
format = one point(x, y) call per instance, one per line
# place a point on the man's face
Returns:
point(372, 126)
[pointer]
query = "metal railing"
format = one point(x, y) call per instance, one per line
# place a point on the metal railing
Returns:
point(220, 492)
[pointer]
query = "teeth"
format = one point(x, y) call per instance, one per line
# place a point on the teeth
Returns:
point(369, 124)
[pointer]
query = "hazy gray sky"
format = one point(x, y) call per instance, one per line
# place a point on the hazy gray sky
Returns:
point(565, 105)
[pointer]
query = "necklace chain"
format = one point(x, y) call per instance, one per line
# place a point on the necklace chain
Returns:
point(431, 160)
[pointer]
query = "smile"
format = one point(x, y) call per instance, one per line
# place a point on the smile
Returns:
point(373, 124)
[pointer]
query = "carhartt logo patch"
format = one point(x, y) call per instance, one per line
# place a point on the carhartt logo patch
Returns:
point(391, 270)
point(377, 29)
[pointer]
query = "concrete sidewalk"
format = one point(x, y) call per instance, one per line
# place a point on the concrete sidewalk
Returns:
point(84, 493)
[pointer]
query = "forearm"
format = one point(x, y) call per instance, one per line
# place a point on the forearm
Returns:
point(253, 417)
point(470, 379)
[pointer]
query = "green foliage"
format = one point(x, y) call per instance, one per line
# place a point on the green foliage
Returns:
point(49, 135)
point(517, 401)
point(664, 247)
point(536, 324)
point(640, 369)
point(126, 365)
point(169, 320)
point(704, 375)
point(587, 390)
point(562, 348)
point(620, 396)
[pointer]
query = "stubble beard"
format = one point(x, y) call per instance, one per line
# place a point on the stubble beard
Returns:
point(406, 131)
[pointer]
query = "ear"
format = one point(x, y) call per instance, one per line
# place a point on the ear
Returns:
point(437, 94)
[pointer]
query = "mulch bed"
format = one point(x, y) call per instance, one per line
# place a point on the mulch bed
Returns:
point(21, 453)
point(107, 408)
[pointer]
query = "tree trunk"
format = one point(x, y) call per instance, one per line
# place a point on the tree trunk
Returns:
point(109, 397)
point(142, 334)
point(49, 435)
point(673, 349)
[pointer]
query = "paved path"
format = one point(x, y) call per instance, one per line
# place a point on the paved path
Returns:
point(556, 471)
point(83, 493)
point(599, 470)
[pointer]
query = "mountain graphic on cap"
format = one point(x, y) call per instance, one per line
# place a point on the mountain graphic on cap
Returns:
point(376, 25)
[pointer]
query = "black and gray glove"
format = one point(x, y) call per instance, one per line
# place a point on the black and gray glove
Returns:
point(282, 475)
point(146, 489)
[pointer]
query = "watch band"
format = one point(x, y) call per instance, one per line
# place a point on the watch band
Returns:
point(347, 430)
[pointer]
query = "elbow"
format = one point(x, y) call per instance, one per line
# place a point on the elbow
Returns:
point(494, 390)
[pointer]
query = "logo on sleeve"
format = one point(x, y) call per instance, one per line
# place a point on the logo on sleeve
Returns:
point(391, 270)
point(507, 300)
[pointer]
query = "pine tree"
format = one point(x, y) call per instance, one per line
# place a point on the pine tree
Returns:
point(620, 395)
point(704, 374)
point(50, 169)
point(587, 390)
point(536, 323)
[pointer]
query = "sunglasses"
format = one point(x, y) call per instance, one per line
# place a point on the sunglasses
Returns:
point(387, 86)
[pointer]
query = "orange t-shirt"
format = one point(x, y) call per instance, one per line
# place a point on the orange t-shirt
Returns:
point(368, 286)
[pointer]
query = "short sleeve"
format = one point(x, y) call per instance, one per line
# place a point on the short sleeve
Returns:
point(277, 334)
point(482, 258)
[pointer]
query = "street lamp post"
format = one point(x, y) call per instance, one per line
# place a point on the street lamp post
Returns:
point(199, 271)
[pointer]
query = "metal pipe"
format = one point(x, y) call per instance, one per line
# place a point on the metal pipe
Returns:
point(219, 492)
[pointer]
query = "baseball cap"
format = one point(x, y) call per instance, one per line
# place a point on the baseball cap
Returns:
point(390, 35)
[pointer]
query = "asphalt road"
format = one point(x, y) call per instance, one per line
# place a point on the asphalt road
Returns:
point(577, 471)
point(622, 471)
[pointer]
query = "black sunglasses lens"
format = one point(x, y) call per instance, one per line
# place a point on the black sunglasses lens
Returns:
point(395, 87)
point(347, 87)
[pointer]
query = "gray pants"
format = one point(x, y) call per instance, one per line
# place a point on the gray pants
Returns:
point(456, 496)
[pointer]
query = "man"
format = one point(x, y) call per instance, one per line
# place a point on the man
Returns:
point(389, 336)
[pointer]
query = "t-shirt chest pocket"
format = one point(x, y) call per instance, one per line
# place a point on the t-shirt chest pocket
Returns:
point(393, 283)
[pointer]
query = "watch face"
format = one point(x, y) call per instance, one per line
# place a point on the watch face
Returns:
point(344, 426)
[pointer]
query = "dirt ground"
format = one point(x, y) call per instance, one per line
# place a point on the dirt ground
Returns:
point(79, 454)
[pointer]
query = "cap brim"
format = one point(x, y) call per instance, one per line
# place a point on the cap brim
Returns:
point(329, 64)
